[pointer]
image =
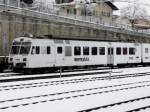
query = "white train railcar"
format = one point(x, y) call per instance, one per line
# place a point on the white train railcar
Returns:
point(33, 53)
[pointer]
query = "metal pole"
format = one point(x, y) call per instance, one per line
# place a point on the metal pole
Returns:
point(110, 64)
point(60, 71)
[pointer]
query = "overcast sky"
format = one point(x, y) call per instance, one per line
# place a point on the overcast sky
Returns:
point(144, 3)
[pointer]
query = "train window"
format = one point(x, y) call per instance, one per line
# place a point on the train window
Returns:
point(131, 51)
point(15, 49)
point(77, 50)
point(37, 50)
point(118, 50)
point(59, 50)
point(68, 51)
point(33, 50)
point(110, 51)
point(86, 50)
point(146, 50)
point(16, 43)
point(48, 50)
point(102, 50)
point(125, 51)
point(94, 50)
point(25, 49)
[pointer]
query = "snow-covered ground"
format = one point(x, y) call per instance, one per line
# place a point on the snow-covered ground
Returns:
point(42, 96)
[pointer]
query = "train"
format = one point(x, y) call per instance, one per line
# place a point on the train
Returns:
point(29, 55)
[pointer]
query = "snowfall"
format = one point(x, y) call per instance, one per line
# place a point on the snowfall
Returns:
point(43, 96)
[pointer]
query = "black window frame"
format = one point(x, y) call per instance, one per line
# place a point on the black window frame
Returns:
point(77, 50)
point(48, 50)
point(132, 51)
point(118, 50)
point(125, 50)
point(102, 50)
point(59, 50)
point(94, 51)
point(110, 51)
point(37, 50)
point(86, 50)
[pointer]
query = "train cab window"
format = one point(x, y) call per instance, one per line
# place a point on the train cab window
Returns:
point(125, 51)
point(94, 50)
point(68, 51)
point(146, 50)
point(48, 50)
point(86, 50)
point(59, 50)
point(118, 50)
point(37, 50)
point(77, 50)
point(131, 51)
point(102, 50)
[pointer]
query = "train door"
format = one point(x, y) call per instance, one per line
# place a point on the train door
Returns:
point(110, 56)
point(51, 54)
point(60, 55)
point(138, 53)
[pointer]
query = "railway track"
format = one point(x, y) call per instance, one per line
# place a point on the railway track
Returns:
point(105, 74)
point(68, 81)
point(21, 77)
point(124, 106)
point(66, 95)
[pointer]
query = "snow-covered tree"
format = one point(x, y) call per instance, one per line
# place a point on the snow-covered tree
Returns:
point(134, 12)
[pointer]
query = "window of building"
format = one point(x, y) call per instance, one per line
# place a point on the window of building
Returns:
point(37, 50)
point(118, 50)
point(68, 11)
point(102, 50)
point(125, 51)
point(59, 50)
point(75, 11)
point(77, 50)
point(48, 50)
point(108, 14)
point(68, 51)
point(86, 50)
point(146, 50)
point(131, 51)
point(94, 50)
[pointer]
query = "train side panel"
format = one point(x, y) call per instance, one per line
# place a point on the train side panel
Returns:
point(127, 53)
point(146, 53)
point(42, 59)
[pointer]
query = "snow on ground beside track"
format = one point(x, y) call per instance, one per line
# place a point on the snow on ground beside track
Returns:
point(79, 103)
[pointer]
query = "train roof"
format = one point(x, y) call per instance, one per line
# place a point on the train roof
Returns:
point(24, 38)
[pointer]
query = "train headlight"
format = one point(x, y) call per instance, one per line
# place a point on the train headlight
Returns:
point(24, 59)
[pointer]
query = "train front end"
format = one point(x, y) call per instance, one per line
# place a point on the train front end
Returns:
point(20, 53)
